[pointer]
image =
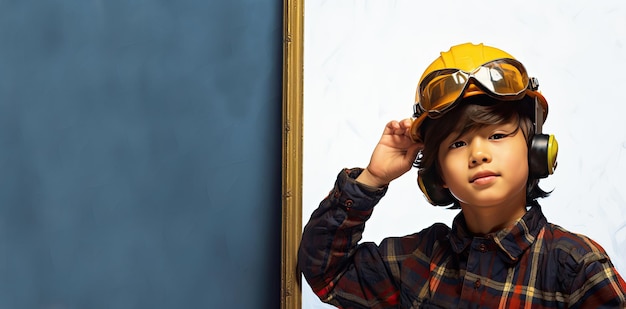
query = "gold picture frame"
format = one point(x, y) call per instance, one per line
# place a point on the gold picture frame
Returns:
point(293, 32)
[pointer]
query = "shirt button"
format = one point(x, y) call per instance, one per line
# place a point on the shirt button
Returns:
point(349, 203)
point(477, 283)
point(482, 248)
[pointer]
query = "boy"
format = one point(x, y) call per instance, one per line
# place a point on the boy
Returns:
point(476, 139)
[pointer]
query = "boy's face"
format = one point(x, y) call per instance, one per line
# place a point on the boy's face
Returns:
point(487, 166)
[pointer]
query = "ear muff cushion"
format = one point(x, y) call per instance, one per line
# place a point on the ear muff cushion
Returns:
point(434, 193)
point(542, 155)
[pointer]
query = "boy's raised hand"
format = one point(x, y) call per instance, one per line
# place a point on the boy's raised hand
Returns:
point(393, 156)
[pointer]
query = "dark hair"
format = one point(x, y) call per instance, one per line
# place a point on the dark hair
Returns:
point(473, 113)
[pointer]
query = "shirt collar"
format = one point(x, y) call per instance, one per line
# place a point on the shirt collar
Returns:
point(512, 242)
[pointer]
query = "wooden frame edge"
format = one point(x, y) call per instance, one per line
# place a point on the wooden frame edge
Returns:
point(293, 67)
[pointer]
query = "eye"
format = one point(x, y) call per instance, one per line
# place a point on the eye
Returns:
point(498, 136)
point(457, 144)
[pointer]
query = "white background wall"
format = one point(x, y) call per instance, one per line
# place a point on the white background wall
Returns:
point(363, 59)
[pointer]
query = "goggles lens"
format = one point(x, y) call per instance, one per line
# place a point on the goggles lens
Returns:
point(502, 78)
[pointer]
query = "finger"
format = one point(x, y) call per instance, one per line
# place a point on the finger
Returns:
point(413, 150)
point(406, 123)
point(392, 127)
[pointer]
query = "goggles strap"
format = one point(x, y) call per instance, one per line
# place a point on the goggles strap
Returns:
point(533, 83)
point(417, 110)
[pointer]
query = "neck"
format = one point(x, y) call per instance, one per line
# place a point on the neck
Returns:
point(483, 220)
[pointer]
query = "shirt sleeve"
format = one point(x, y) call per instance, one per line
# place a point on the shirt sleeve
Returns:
point(341, 271)
point(596, 283)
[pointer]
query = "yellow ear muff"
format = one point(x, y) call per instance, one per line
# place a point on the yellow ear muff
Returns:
point(553, 150)
point(434, 193)
point(542, 155)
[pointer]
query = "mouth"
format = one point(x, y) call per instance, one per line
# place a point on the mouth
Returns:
point(483, 177)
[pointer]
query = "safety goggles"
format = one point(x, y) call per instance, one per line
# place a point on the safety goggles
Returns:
point(503, 79)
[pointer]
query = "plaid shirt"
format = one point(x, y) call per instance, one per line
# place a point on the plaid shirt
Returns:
point(532, 264)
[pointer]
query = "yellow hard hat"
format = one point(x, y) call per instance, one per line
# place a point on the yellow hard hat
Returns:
point(459, 64)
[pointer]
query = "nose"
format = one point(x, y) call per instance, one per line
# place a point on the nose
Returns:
point(479, 154)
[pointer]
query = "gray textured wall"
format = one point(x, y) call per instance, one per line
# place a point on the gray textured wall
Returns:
point(140, 154)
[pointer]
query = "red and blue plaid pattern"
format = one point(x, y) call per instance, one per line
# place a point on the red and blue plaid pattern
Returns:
point(534, 264)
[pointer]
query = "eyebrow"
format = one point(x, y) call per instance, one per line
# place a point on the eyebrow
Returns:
point(478, 126)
